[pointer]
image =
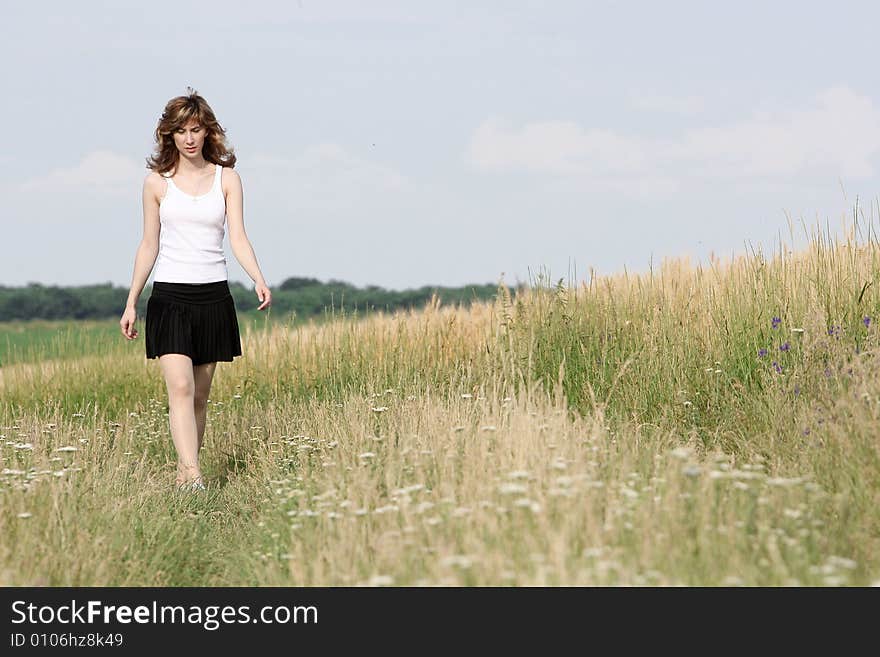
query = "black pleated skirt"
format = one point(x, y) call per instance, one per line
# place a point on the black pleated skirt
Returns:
point(195, 319)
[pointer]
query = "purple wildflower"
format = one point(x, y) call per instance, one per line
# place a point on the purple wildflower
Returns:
point(777, 367)
point(806, 432)
point(762, 352)
point(797, 389)
point(776, 322)
point(827, 371)
point(866, 321)
point(784, 346)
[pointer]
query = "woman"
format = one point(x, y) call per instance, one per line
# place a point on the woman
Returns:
point(191, 320)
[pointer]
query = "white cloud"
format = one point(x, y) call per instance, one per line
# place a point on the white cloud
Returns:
point(838, 136)
point(99, 172)
point(558, 147)
point(324, 175)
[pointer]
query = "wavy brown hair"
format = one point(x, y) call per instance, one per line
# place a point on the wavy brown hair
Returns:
point(178, 112)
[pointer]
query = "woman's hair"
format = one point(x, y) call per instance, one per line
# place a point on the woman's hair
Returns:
point(178, 112)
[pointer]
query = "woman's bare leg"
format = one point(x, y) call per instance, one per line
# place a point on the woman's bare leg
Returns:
point(180, 382)
point(202, 375)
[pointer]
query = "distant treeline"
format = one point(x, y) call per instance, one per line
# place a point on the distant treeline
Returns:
point(305, 296)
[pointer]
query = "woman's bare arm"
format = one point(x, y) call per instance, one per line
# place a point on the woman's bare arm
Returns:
point(238, 238)
point(148, 249)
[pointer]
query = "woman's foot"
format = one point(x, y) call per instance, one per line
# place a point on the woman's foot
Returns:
point(188, 475)
point(193, 486)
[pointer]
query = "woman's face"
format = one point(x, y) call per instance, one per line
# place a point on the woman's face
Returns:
point(189, 139)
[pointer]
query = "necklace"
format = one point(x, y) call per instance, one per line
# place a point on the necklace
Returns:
point(195, 198)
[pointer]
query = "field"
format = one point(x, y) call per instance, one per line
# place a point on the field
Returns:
point(709, 425)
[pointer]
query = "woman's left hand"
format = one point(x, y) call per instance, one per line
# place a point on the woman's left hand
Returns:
point(264, 295)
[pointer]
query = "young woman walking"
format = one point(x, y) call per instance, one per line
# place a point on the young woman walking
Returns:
point(191, 319)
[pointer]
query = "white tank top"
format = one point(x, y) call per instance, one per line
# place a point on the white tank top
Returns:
point(191, 235)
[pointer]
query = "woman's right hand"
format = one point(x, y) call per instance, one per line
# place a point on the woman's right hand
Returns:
point(126, 323)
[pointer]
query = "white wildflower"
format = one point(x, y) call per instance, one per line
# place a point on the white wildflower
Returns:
point(385, 509)
point(457, 560)
point(842, 562)
point(691, 471)
point(527, 503)
point(629, 492)
point(782, 481)
point(408, 489)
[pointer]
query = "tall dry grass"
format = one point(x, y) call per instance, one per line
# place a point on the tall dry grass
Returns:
point(627, 430)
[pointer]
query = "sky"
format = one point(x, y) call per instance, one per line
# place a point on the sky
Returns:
point(415, 143)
